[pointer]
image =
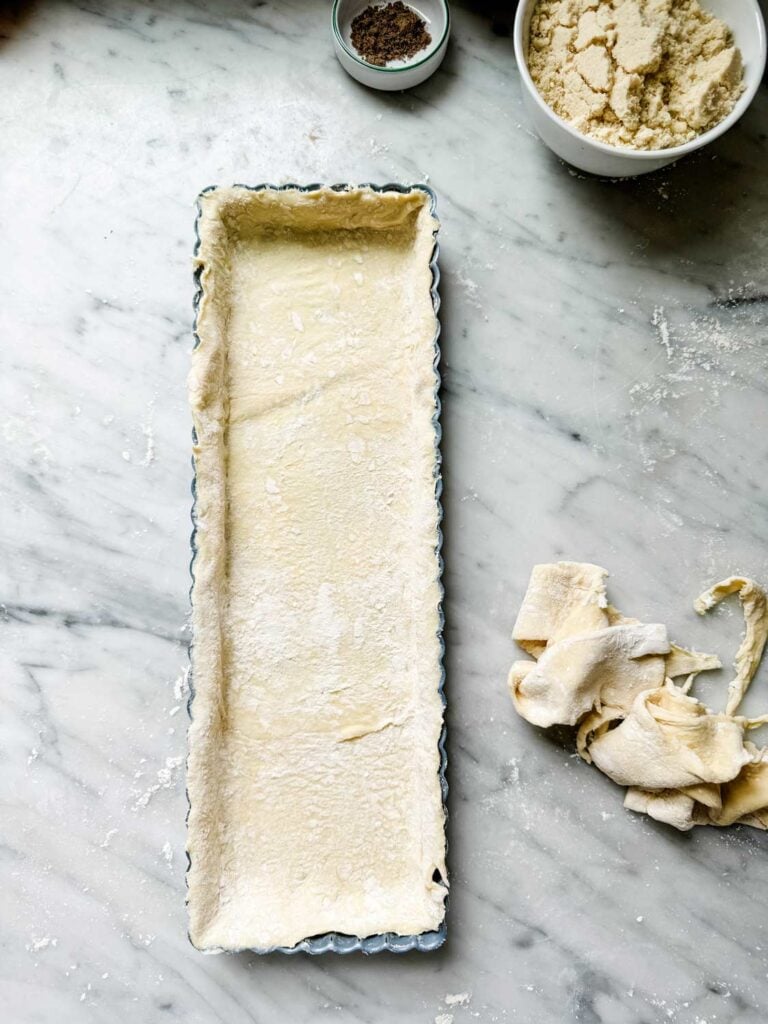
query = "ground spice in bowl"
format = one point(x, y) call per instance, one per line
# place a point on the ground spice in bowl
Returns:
point(388, 32)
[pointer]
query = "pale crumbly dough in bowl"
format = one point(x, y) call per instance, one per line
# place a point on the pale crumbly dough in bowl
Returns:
point(643, 74)
point(313, 773)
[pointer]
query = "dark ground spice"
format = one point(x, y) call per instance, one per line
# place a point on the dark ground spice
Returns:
point(389, 32)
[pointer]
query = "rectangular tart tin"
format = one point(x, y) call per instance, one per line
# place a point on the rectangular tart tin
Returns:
point(336, 942)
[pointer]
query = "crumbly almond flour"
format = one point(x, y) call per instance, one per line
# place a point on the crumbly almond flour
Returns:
point(646, 74)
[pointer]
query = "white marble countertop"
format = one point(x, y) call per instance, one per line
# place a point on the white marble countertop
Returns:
point(605, 399)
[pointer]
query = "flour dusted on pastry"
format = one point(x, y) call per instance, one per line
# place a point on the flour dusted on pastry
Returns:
point(627, 687)
point(604, 667)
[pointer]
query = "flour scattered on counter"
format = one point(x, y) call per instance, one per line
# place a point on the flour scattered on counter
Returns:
point(444, 1018)
point(104, 844)
point(469, 286)
point(471, 289)
point(697, 358)
point(661, 324)
point(181, 685)
point(457, 998)
point(165, 779)
point(707, 332)
point(42, 943)
point(168, 853)
point(148, 430)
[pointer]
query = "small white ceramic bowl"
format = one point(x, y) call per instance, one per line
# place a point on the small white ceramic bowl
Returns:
point(398, 74)
point(746, 21)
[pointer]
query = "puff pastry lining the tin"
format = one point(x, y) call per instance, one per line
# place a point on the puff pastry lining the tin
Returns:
point(315, 801)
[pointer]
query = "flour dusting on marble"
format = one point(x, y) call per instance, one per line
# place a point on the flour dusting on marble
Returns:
point(181, 685)
point(107, 840)
point(166, 777)
point(661, 324)
point(147, 429)
point(457, 998)
point(697, 348)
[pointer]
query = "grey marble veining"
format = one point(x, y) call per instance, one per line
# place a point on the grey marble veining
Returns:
point(605, 398)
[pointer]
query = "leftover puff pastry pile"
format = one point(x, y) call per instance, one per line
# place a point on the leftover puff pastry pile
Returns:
point(627, 687)
point(313, 773)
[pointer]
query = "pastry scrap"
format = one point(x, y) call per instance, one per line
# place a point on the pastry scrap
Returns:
point(755, 605)
point(626, 687)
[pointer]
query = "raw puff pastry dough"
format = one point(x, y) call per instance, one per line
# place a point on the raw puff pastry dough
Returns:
point(616, 679)
point(315, 800)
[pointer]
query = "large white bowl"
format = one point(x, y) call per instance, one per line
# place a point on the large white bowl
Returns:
point(399, 74)
point(595, 157)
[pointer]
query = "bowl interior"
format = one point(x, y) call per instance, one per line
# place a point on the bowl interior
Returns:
point(434, 13)
point(745, 20)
